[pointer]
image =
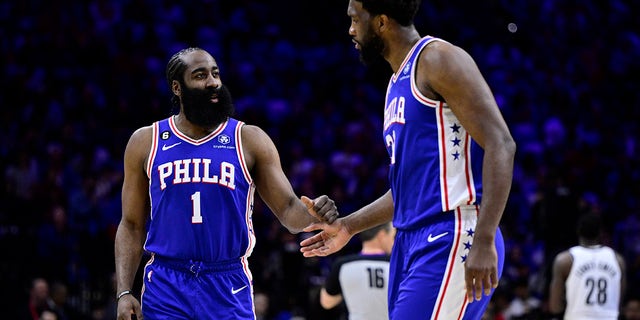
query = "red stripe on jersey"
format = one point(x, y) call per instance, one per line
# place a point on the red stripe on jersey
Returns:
point(418, 95)
point(467, 167)
point(240, 152)
point(154, 149)
point(443, 156)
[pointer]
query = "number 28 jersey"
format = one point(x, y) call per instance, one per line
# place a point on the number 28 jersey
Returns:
point(593, 285)
point(201, 195)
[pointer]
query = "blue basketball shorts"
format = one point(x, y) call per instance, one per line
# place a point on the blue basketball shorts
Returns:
point(427, 269)
point(178, 289)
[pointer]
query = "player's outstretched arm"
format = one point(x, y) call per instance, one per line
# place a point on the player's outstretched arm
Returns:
point(335, 236)
point(274, 188)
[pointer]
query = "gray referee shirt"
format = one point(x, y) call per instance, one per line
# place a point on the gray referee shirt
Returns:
point(363, 282)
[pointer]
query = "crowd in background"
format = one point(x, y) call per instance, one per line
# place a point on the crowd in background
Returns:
point(78, 78)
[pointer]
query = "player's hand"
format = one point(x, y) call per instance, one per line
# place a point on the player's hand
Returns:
point(322, 208)
point(481, 270)
point(129, 306)
point(331, 239)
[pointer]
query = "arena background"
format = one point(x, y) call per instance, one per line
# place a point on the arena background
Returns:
point(80, 76)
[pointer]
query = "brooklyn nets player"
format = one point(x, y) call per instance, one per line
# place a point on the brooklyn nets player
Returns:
point(588, 280)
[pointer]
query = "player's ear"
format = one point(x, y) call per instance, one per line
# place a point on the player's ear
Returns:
point(176, 88)
point(381, 23)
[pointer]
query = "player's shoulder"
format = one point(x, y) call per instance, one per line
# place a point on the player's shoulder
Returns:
point(252, 131)
point(143, 131)
point(440, 46)
point(563, 257)
point(255, 138)
point(257, 146)
point(141, 135)
point(439, 51)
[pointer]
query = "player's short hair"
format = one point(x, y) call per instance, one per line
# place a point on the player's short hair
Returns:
point(370, 233)
point(589, 226)
point(402, 11)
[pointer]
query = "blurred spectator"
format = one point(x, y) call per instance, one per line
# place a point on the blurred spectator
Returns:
point(61, 304)
point(523, 305)
point(39, 301)
point(631, 309)
point(57, 243)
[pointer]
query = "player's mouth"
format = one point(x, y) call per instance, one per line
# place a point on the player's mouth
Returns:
point(356, 44)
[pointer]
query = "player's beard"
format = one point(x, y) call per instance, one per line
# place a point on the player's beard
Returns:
point(199, 110)
point(371, 49)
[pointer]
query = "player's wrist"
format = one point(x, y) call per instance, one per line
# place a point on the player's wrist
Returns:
point(122, 294)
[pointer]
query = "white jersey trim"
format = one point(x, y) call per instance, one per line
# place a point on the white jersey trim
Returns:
point(414, 85)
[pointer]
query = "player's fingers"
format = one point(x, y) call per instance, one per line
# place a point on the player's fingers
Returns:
point(477, 286)
point(307, 202)
point(311, 207)
point(494, 279)
point(313, 239)
point(323, 205)
point(311, 247)
point(307, 245)
point(486, 284)
point(332, 215)
point(325, 209)
point(468, 279)
point(313, 227)
point(319, 203)
point(309, 254)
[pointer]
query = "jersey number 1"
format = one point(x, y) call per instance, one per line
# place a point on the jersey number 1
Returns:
point(197, 214)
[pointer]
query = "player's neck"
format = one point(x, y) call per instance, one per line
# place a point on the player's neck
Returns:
point(591, 244)
point(371, 250)
point(399, 45)
point(192, 130)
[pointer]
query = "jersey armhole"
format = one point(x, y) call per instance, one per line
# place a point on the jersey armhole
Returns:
point(154, 148)
point(240, 153)
point(415, 90)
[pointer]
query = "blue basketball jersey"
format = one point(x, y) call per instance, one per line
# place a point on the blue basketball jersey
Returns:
point(201, 195)
point(435, 165)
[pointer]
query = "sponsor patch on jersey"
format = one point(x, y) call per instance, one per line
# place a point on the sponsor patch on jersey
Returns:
point(407, 68)
point(224, 139)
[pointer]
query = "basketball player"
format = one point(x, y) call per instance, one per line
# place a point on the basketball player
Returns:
point(590, 277)
point(451, 165)
point(192, 178)
point(361, 279)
